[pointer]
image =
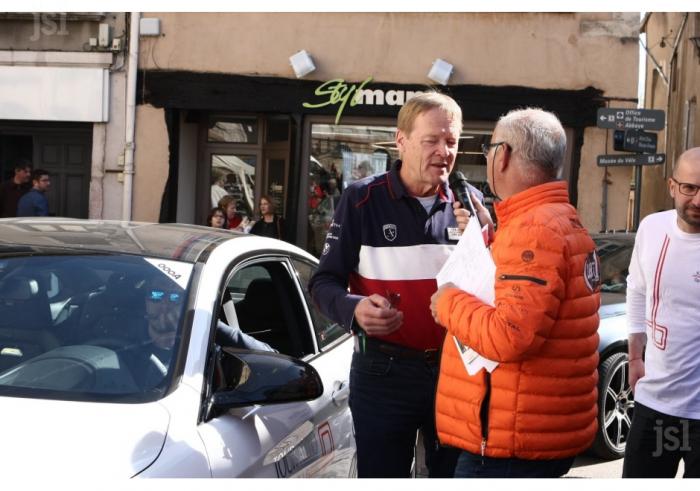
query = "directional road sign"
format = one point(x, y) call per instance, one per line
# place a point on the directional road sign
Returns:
point(631, 119)
point(634, 141)
point(638, 159)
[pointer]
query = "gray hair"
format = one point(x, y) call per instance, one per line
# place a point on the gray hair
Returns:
point(538, 137)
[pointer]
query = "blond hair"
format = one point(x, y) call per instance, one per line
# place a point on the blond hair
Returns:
point(425, 102)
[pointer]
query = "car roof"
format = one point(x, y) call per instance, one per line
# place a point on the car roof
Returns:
point(176, 241)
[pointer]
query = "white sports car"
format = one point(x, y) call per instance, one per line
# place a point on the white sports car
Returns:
point(113, 362)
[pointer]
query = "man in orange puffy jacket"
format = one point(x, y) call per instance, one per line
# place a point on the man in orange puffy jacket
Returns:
point(537, 409)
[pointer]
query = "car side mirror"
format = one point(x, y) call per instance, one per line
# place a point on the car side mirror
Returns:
point(245, 378)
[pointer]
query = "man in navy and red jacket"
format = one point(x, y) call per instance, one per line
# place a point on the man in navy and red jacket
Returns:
point(390, 235)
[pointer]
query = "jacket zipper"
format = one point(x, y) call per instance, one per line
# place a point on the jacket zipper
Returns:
point(539, 281)
point(484, 416)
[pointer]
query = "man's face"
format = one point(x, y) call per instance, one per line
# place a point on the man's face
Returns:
point(23, 175)
point(43, 183)
point(687, 207)
point(163, 305)
point(428, 153)
point(491, 156)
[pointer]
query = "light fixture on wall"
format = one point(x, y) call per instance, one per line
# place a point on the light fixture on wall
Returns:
point(302, 63)
point(440, 72)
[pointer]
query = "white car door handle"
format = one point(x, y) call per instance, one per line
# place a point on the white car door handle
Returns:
point(341, 391)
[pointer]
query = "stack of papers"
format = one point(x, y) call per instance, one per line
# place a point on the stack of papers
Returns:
point(471, 268)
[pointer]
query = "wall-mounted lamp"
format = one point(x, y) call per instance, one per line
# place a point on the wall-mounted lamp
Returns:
point(440, 72)
point(302, 63)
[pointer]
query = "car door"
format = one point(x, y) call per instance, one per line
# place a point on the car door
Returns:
point(262, 296)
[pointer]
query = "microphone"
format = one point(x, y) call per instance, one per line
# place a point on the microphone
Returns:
point(460, 186)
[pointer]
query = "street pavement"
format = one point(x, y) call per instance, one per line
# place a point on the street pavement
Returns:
point(591, 467)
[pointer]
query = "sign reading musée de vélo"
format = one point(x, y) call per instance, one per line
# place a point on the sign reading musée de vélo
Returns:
point(340, 93)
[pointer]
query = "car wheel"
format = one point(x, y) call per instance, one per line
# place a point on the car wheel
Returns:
point(615, 407)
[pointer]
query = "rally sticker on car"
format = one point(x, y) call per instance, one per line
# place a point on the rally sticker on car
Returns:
point(175, 270)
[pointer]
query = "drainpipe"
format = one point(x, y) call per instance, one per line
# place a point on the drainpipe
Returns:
point(130, 115)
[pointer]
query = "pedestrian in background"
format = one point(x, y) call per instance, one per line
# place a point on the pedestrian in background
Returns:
point(216, 218)
point(390, 235)
point(34, 202)
point(234, 220)
point(663, 319)
point(13, 189)
point(270, 224)
point(537, 410)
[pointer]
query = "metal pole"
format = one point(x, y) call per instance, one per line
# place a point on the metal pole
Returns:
point(604, 207)
point(637, 195)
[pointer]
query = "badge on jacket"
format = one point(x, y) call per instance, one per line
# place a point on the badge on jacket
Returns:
point(591, 271)
point(390, 232)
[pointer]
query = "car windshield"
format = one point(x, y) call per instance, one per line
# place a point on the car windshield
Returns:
point(90, 327)
point(615, 252)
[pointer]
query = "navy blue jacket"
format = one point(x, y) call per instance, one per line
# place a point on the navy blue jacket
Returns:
point(382, 240)
point(33, 204)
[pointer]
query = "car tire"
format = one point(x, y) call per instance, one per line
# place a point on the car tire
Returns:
point(615, 407)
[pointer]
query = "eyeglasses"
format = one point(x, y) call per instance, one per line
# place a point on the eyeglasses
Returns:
point(158, 296)
point(486, 147)
point(686, 188)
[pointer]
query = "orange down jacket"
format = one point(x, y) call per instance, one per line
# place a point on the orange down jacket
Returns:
point(541, 401)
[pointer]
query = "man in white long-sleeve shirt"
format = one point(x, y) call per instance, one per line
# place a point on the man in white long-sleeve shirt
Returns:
point(663, 311)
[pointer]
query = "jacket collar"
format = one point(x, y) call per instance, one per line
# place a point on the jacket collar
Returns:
point(397, 190)
point(550, 192)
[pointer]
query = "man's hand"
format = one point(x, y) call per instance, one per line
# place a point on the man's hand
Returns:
point(436, 298)
point(635, 372)
point(376, 316)
point(462, 215)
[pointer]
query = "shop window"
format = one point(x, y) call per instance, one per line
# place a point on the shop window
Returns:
point(234, 174)
point(341, 155)
point(240, 129)
point(275, 187)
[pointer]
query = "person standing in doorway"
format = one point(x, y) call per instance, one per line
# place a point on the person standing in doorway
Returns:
point(12, 190)
point(663, 321)
point(270, 224)
point(34, 202)
point(390, 235)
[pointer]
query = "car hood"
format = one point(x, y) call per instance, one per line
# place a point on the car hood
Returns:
point(612, 310)
point(43, 438)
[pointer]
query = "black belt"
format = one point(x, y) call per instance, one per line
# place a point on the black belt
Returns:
point(395, 350)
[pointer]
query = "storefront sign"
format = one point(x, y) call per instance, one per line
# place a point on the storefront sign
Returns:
point(337, 91)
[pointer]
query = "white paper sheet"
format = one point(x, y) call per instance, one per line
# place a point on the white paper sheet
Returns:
point(472, 269)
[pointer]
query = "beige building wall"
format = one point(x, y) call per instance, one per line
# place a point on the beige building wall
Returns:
point(539, 50)
point(151, 153)
point(666, 31)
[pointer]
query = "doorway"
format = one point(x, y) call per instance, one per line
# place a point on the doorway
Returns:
point(245, 156)
point(64, 150)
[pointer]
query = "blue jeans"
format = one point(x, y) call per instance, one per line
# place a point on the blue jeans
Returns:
point(472, 465)
point(390, 399)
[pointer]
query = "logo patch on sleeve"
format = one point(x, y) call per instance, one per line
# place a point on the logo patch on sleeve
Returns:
point(591, 271)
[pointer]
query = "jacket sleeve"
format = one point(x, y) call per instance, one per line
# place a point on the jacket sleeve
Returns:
point(527, 299)
point(339, 258)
